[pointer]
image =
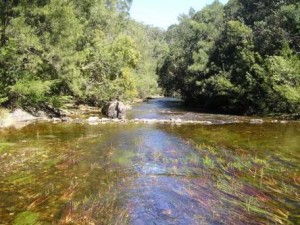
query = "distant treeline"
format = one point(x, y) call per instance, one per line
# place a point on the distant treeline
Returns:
point(89, 51)
point(243, 57)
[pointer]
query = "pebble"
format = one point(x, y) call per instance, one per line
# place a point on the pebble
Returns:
point(66, 119)
point(56, 120)
point(105, 120)
point(256, 121)
point(93, 119)
point(178, 120)
point(283, 122)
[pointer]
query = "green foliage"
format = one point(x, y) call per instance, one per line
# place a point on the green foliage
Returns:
point(291, 16)
point(26, 218)
point(284, 78)
point(190, 45)
point(84, 49)
point(245, 61)
point(30, 92)
point(150, 42)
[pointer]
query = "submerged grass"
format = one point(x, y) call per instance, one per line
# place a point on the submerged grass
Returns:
point(4, 146)
point(103, 209)
point(256, 184)
point(124, 157)
point(26, 218)
point(21, 179)
point(82, 180)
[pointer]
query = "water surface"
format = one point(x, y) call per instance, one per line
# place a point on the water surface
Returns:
point(230, 172)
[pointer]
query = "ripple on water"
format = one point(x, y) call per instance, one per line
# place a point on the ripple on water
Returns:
point(151, 174)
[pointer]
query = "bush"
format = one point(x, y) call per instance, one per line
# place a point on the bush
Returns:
point(30, 92)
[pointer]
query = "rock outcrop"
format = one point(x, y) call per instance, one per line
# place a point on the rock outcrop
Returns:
point(18, 119)
point(115, 109)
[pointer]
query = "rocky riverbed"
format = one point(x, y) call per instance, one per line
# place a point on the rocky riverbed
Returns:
point(154, 111)
point(19, 119)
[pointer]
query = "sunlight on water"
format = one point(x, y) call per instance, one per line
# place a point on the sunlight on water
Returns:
point(151, 174)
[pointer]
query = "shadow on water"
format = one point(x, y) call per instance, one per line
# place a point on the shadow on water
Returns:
point(151, 174)
point(168, 108)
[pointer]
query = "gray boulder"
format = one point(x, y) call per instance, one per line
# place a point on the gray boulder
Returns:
point(121, 109)
point(17, 119)
point(20, 115)
point(115, 109)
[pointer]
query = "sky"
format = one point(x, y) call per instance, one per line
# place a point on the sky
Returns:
point(163, 13)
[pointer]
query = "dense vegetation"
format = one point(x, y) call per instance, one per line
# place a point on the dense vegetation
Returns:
point(90, 51)
point(239, 58)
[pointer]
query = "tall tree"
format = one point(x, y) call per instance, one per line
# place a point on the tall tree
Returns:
point(244, 62)
point(52, 50)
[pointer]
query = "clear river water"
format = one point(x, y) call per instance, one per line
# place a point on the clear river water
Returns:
point(228, 171)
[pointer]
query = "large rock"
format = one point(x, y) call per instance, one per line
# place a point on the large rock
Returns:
point(115, 109)
point(17, 119)
point(20, 115)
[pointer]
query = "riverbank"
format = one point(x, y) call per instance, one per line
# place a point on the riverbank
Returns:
point(71, 113)
point(19, 119)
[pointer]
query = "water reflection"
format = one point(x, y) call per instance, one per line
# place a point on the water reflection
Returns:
point(168, 108)
point(157, 109)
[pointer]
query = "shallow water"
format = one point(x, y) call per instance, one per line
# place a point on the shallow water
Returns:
point(229, 172)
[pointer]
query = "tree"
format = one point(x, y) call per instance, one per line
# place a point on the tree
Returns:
point(52, 50)
point(242, 62)
point(191, 43)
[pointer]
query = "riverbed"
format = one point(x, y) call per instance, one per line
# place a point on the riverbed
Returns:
point(227, 171)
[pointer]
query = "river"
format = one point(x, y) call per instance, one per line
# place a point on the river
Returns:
point(228, 171)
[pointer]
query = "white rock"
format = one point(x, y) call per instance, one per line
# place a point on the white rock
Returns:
point(93, 123)
point(21, 116)
point(178, 120)
point(283, 122)
point(93, 119)
point(66, 119)
point(56, 120)
point(256, 121)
